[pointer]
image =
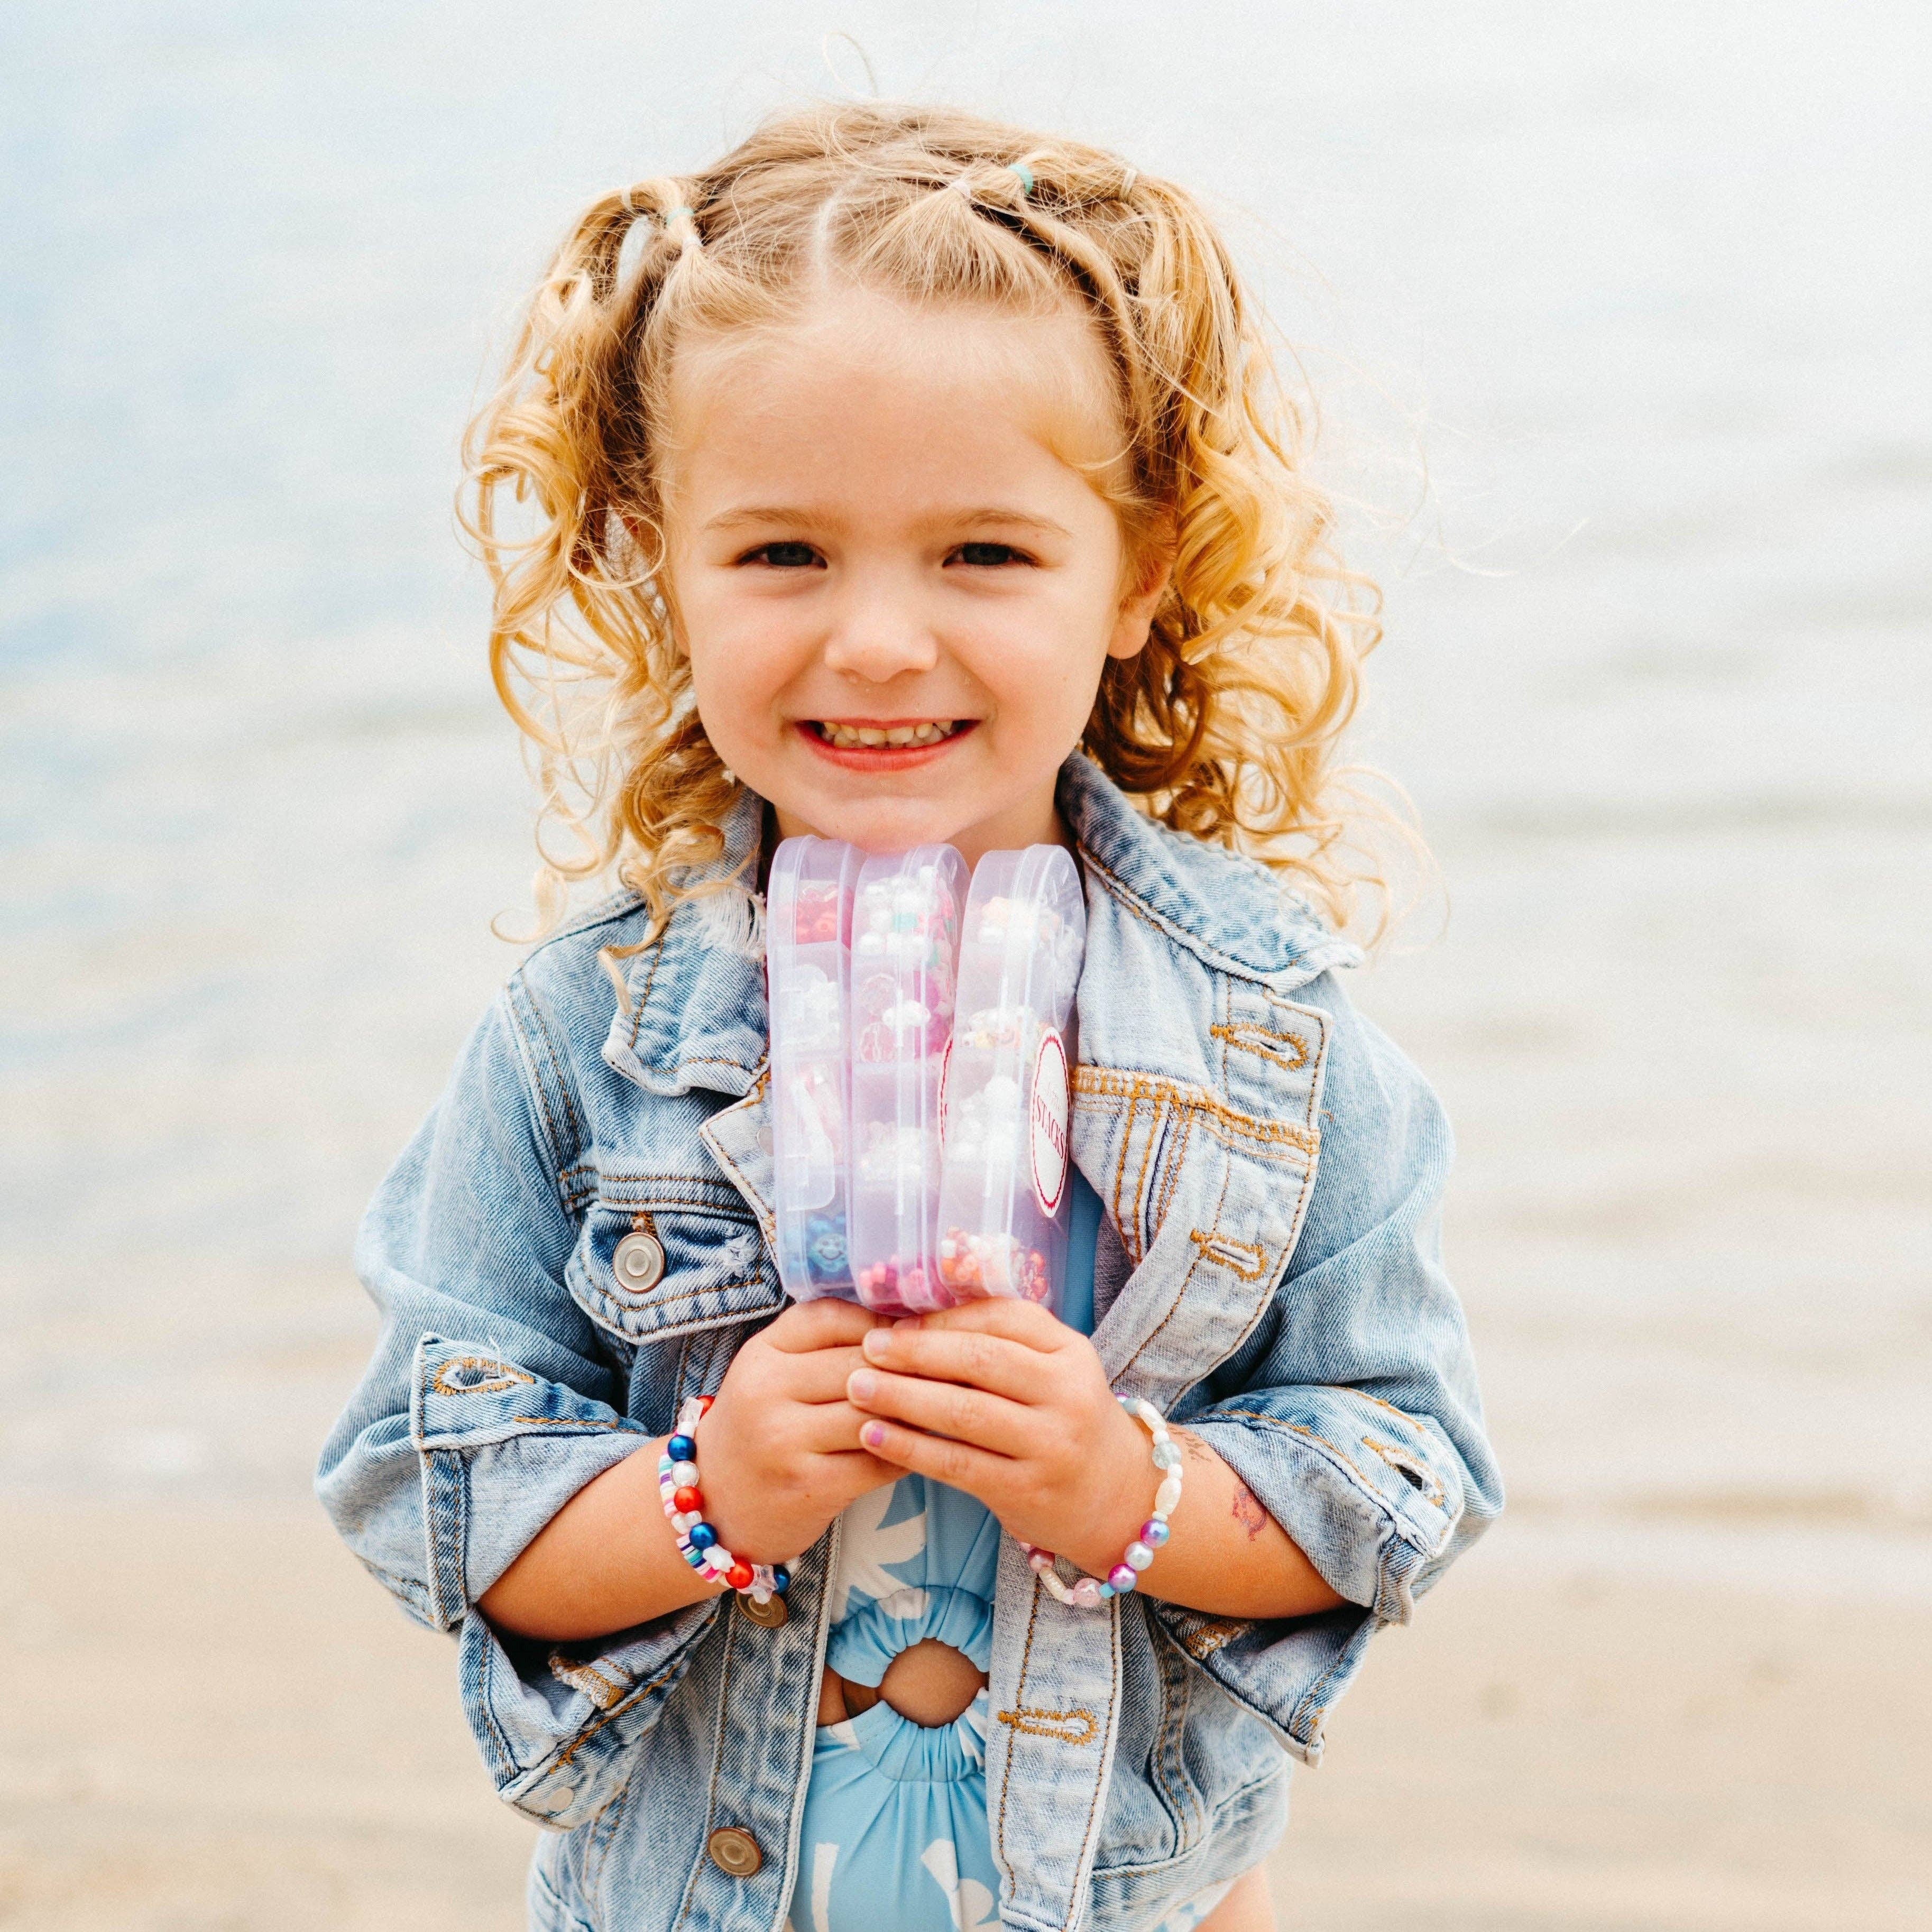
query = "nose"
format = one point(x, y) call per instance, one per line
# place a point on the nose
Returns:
point(880, 635)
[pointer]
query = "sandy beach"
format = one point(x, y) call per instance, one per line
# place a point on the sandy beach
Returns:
point(211, 1721)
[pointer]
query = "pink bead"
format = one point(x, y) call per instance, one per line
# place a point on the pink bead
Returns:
point(1041, 1561)
point(1154, 1532)
point(1087, 1593)
point(1123, 1579)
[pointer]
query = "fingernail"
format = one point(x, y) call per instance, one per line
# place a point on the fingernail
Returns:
point(861, 1387)
point(873, 1435)
point(874, 1343)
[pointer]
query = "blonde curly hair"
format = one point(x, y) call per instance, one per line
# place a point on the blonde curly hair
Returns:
point(1225, 726)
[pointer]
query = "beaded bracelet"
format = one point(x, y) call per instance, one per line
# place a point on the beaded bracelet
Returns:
point(684, 1508)
point(1090, 1593)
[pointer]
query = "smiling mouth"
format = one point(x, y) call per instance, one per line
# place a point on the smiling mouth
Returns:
point(902, 737)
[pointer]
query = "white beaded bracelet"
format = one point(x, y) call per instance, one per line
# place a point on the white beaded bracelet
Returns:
point(1090, 1592)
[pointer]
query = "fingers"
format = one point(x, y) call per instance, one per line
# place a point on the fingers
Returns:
point(818, 1374)
point(988, 1361)
point(827, 1323)
point(946, 1409)
point(1022, 1322)
point(958, 1465)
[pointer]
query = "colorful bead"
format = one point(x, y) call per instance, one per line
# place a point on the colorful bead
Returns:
point(683, 1504)
point(1090, 1592)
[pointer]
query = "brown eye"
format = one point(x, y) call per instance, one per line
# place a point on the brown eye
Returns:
point(988, 555)
point(784, 555)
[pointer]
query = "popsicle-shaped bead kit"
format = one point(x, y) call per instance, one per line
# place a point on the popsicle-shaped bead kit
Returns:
point(920, 1071)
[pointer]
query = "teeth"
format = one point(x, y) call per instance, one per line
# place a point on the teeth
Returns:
point(848, 737)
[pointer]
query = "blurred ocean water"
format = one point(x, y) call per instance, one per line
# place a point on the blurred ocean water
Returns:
point(1618, 319)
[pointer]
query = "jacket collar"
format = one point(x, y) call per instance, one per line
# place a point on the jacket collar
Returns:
point(1229, 910)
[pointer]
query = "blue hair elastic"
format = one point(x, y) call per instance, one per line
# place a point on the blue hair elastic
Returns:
point(1025, 175)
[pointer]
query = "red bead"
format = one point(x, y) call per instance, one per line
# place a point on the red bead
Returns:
point(686, 1501)
point(704, 1402)
point(738, 1575)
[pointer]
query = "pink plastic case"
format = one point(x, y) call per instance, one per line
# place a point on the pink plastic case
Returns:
point(808, 933)
point(905, 941)
point(1004, 1202)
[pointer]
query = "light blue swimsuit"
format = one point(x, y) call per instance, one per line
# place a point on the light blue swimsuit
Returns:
point(895, 1837)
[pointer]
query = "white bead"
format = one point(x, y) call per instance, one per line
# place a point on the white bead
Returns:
point(1138, 1555)
point(1167, 1496)
point(684, 1475)
point(685, 1522)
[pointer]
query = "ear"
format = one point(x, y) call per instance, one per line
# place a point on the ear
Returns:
point(1150, 581)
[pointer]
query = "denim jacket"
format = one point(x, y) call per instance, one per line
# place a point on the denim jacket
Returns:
point(1271, 1169)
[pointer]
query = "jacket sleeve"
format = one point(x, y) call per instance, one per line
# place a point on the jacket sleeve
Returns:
point(488, 1405)
point(1352, 1411)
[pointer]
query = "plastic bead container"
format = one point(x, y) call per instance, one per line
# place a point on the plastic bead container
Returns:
point(905, 945)
point(1004, 1203)
point(808, 932)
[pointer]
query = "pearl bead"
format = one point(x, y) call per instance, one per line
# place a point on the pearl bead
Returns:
point(781, 1578)
point(1122, 1578)
point(1154, 1532)
point(1137, 1556)
point(703, 1536)
point(684, 1475)
point(681, 1449)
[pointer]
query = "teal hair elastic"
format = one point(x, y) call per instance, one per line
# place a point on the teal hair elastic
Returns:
point(1025, 175)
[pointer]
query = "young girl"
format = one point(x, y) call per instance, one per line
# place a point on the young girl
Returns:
point(905, 477)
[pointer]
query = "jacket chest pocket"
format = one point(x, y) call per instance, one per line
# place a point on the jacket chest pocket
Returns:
point(655, 1272)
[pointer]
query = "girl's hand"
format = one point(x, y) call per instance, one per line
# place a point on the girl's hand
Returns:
point(777, 1452)
point(999, 1398)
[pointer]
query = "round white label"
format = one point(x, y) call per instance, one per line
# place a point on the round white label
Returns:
point(1048, 1122)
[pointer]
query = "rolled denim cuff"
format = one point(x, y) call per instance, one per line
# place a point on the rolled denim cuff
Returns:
point(502, 1451)
point(556, 1723)
point(1371, 1497)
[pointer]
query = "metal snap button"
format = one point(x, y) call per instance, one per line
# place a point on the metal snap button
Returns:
point(733, 1851)
point(771, 1612)
point(640, 1263)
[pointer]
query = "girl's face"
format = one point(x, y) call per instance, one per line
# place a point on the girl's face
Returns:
point(896, 589)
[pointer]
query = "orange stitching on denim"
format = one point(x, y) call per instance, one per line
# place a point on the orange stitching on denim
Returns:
point(1241, 1258)
point(619, 1427)
point(1075, 1726)
point(1026, 1657)
point(583, 1675)
point(498, 1376)
point(1249, 1037)
point(1102, 1083)
point(1403, 1460)
point(1209, 1634)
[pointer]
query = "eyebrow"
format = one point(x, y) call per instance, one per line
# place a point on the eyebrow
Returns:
point(761, 515)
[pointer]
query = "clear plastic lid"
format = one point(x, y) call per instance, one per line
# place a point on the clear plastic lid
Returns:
point(808, 933)
point(905, 944)
point(1004, 1200)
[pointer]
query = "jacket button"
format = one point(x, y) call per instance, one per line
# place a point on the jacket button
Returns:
point(639, 1262)
point(734, 1852)
point(771, 1612)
